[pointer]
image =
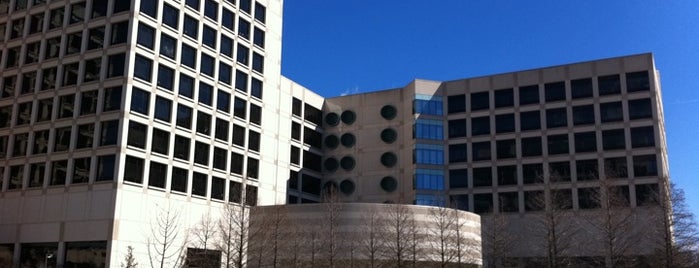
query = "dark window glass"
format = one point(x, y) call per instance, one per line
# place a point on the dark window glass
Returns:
point(184, 116)
point(480, 126)
point(483, 203)
point(255, 114)
point(150, 8)
point(642, 137)
point(589, 198)
point(209, 37)
point(41, 142)
point(220, 158)
point(70, 74)
point(260, 12)
point(609, 84)
point(456, 103)
point(211, 9)
point(115, 65)
point(239, 108)
point(581, 88)
point(313, 138)
point(531, 146)
point(66, 105)
point(243, 54)
point(506, 149)
point(243, 28)
point(457, 128)
point(143, 68)
point(77, 12)
point(206, 93)
point(207, 65)
point(611, 112)
point(181, 147)
point(226, 47)
point(203, 123)
point(238, 135)
point(81, 170)
point(186, 86)
point(105, 168)
point(241, 81)
point(587, 169)
point(137, 135)
point(193, 4)
point(178, 179)
point(256, 88)
point(530, 120)
point(558, 144)
point(296, 105)
point(296, 156)
point(296, 131)
point(170, 16)
point(253, 141)
point(559, 171)
point(458, 153)
point(258, 37)
point(532, 173)
point(504, 98)
point(160, 142)
point(245, 6)
point(140, 100)
point(458, 178)
point(556, 118)
point(481, 151)
point(163, 108)
point(225, 73)
point(218, 188)
point(189, 56)
point(62, 139)
point(311, 161)
point(529, 94)
point(258, 62)
point(166, 77)
point(312, 114)
point(534, 201)
point(146, 35)
point(24, 113)
point(85, 136)
point(616, 167)
point(585, 142)
point(133, 169)
point(555, 91)
point(504, 123)
point(482, 177)
point(96, 39)
point(637, 81)
point(119, 32)
point(236, 163)
point(647, 194)
point(92, 69)
point(157, 174)
point(221, 129)
point(56, 18)
point(480, 101)
point(201, 153)
point(640, 109)
point(228, 19)
point(191, 27)
point(509, 202)
point(253, 168)
point(613, 139)
point(59, 171)
point(583, 115)
point(20, 144)
point(645, 165)
point(223, 101)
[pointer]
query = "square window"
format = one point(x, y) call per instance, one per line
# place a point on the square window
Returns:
point(77, 12)
point(483, 203)
point(226, 46)
point(239, 108)
point(253, 168)
point(585, 142)
point(225, 73)
point(241, 81)
point(220, 158)
point(62, 139)
point(532, 173)
point(480, 101)
point(137, 135)
point(555, 91)
point(203, 123)
point(201, 153)
point(615, 167)
point(85, 136)
point(171, 16)
point(642, 137)
point(253, 141)
point(184, 116)
point(531, 146)
point(16, 177)
point(81, 170)
point(504, 98)
point(243, 28)
point(112, 99)
point(157, 174)
point(260, 12)
point(458, 153)
point(70, 74)
point(109, 132)
point(637, 81)
point(191, 27)
point(581, 88)
point(92, 69)
point(59, 172)
point(589, 198)
point(218, 188)
point(456, 104)
point(480, 126)
point(457, 128)
point(160, 141)
point(228, 19)
point(481, 151)
point(639, 109)
point(237, 163)
point(206, 92)
point(199, 184)
point(189, 56)
point(506, 149)
point(509, 202)
point(178, 180)
point(209, 36)
point(559, 171)
point(133, 169)
point(207, 64)
point(255, 114)
point(558, 144)
point(146, 35)
point(258, 37)
point(587, 169)
point(504, 123)
point(613, 139)
point(36, 24)
point(41, 142)
point(143, 68)
point(609, 85)
point(528, 94)
point(645, 165)
point(168, 46)
point(611, 112)
point(149, 7)
point(36, 175)
point(163, 108)
point(186, 86)
point(583, 115)
point(193, 4)
point(166, 77)
point(181, 150)
point(140, 101)
point(221, 129)
point(211, 10)
point(24, 113)
point(556, 118)
point(119, 32)
point(258, 62)
point(19, 148)
point(99, 9)
point(530, 120)
point(242, 55)
point(245, 5)
point(238, 135)
point(223, 101)
point(56, 18)
point(115, 66)
point(66, 105)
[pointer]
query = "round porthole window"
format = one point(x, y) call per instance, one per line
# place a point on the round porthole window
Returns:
point(331, 164)
point(389, 135)
point(348, 117)
point(389, 184)
point(332, 119)
point(347, 163)
point(331, 142)
point(347, 187)
point(388, 112)
point(347, 140)
point(389, 159)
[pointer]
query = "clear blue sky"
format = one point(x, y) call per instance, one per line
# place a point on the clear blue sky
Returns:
point(335, 47)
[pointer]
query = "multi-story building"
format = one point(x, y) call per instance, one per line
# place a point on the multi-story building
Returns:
point(113, 111)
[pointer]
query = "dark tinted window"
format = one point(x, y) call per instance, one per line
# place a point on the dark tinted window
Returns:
point(457, 128)
point(558, 144)
point(504, 123)
point(481, 151)
point(583, 115)
point(480, 126)
point(530, 120)
point(559, 171)
point(532, 173)
point(587, 169)
point(581, 88)
point(642, 137)
point(506, 149)
point(585, 142)
point(556, 118)
point(528, 94)
point(456, 103)
point(555, 91)
point(458, 178)
point(482, 176)
point(458, 153)
point(611, 112)
point(609, 84)
point(640, 109)
point(531, 146)
point(645, 165)
point(507, 175)
point(480, 101)
point(637, 81)
point(504, 98)
point(613, 139)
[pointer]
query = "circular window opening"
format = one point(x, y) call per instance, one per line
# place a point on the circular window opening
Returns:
point(331, 142)
point(389, 135)
point(389, 184)
point(330, 164)
point(348, 117)
point(389, 159)
point(347, 187)
point(347, 163)
point(347, 140)
point(388, 112)
point(332, 119)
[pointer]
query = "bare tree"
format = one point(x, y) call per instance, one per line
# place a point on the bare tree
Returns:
point(273, 229)
point(330, 224)
point(416, 236)
point(442, 235)
point(678, 235)
point(498, 241)
point(398, 234)
point(555, 228)
point(162, 248)
point(129, 259)
point(372, 244)
point(204, 234)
